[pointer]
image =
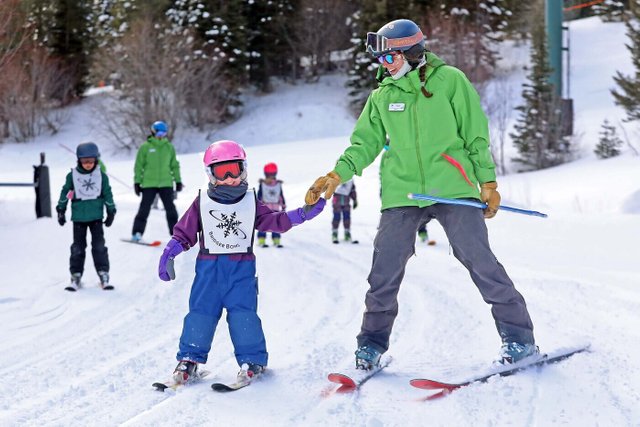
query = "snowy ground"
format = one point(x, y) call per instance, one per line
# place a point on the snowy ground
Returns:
point(89, 358)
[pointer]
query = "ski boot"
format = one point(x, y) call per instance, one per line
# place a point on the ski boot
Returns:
point(185, 371)
point(262, 243)
point(276, 242)
point(74, 284)
point(104, 280)
point(367, 358)
point(136, 237)
point(249, 372)
point(334, 237)
point(513, 352)
point(347, 235)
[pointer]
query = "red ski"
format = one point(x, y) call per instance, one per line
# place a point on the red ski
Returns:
point(142, 242)
point(543, 359)
point(356, 378)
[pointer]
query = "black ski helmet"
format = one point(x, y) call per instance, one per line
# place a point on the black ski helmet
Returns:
point(86, 150)
point(399, 35)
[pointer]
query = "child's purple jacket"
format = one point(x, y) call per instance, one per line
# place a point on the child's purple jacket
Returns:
point(189, 230)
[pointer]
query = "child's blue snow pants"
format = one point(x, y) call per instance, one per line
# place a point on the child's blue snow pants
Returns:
point(230, 284)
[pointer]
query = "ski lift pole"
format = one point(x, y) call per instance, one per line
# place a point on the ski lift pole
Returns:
point(471, 203)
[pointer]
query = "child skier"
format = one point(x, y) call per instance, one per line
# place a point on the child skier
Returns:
point(270, 193)
point(342, 207)
point(423, 233)
point(87, 186)
point(222, 218)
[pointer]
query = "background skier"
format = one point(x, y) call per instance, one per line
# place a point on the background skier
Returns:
point(155, 171)
point(271, 194)
point(87, 186)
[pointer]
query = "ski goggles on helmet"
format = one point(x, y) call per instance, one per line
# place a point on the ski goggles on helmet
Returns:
point(222, 171)
point(378, 44)
point(161, 134)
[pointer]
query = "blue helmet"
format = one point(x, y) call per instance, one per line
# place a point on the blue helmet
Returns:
point(87, 150)
point(399, 35)
point(159, 129)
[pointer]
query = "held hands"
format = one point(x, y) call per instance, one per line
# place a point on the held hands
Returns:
point(110, 216)
point(490, 196)
point(137, 189)
point(61, 218)
point(166, 271)
point(325, 184)
point(305, 213)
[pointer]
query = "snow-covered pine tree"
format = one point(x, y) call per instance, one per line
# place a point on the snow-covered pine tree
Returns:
point(63, 28)
point(221, 27)
point(268, 50)
point(628, 93)
point(609, 143)
point(109, 20)
point(538, 131)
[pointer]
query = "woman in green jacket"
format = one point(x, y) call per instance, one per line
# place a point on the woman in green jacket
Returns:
point(155, 171)
point(438, 145)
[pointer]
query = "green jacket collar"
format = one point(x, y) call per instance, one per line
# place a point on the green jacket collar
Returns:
point(156, 142)
point(411, 81)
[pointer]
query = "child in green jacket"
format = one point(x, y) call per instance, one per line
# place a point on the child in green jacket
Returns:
point(87, 186)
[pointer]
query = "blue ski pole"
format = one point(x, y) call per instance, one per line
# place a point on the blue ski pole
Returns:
point(471, 203)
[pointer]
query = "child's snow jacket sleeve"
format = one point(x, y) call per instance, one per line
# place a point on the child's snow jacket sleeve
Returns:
point(187, 229)
point(107, 194)
point(68, 186)
point(141, 159)
point(175, 165)
point(268, 220)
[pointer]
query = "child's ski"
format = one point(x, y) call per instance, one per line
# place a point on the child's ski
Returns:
point(173, 385)
point(142, 242)
point(244, 379)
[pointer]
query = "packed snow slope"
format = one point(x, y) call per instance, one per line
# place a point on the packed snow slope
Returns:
point(89, 358)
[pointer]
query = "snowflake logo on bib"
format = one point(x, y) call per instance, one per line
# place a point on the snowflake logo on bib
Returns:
point(88, 184)
point(229, 224)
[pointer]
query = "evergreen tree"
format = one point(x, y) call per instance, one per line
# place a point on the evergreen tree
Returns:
point(63, 27)
point(538, 131)
point(222, 29)
point(110, 19)
point(628, 94)
point(268, 51)
point(609, 143)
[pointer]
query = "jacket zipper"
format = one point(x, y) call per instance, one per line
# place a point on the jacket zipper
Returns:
point(417, 143)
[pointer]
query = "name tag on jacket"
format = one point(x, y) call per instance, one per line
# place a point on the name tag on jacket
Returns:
point(398, 106)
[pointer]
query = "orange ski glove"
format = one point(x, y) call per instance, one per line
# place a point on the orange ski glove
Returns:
point(325, 184)
point(490, 196)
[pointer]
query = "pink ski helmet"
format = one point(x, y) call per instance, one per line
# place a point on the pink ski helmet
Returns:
point(224, 151)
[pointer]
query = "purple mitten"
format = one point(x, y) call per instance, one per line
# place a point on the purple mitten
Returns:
point(307, 212)
point(165, 268)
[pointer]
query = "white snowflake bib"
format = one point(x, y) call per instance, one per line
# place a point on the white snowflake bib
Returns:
point(345, 189)
point(271, 195)
point(228, 229)
point(87, 186)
